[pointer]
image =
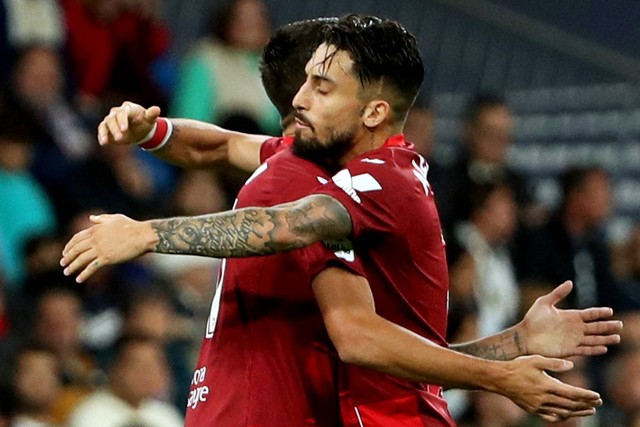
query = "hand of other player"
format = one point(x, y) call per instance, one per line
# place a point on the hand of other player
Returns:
point(531, 388)
point(552, 332)
point(113, 239)
point(127, 124)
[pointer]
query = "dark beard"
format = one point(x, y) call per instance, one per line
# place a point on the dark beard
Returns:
point(327, 156)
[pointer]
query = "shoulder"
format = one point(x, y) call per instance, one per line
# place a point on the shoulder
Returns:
point(384, 168)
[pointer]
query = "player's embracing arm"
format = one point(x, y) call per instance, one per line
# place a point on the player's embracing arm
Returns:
point(240, 233)
point(188, 143)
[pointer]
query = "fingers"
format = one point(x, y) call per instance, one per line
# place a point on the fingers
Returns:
point(113, 129)
point(595, 313)
point(122, 117)
point(553, 365)
point(152, 114)
point(559, 293)
point(87, 262)
point(118, 125)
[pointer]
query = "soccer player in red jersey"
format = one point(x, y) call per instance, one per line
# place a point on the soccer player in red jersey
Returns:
point(362, 203)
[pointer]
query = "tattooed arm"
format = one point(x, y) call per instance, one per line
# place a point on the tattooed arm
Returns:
point(244, 232)
point(552, 332)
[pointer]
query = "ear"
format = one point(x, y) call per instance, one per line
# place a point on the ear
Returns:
point(376, 112)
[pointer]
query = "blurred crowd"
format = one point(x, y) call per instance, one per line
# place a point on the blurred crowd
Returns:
point(119, 350)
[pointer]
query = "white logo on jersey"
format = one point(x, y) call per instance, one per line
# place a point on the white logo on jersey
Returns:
point(322, 180)
point(263, 167)
point(420, 170)
point(348, 256)
point(362, 183)
point(374, 161)
point(342, 249)
point(200, 392)
point(215, 304)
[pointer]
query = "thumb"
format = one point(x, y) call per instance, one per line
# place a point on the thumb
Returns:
point(558, 294)
point(151, 114)
point(555, 365)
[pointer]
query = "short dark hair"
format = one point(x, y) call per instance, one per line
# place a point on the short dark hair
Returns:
point(284, 59)
point(126, 341)
point(574, 178)
point(479, 102)
point(383, 51)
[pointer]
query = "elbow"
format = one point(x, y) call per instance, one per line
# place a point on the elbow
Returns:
point(349, 340)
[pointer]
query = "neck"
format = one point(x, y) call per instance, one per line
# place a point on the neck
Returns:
point(369, 140)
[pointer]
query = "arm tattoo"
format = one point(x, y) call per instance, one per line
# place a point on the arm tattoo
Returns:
point(254, 231)
point(505, 346)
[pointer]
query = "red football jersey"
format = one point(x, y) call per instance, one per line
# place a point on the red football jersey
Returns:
point(265, 360)
point(398, 238)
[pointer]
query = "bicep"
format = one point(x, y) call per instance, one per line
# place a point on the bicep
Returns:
point(317, 217)
point(243, 150)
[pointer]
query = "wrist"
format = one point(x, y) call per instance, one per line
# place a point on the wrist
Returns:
point(520, 333)
point(158, 136)
point(494, 376)
point(149, 236)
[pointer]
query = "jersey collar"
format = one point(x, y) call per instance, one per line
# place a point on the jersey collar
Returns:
point(287, 140)
point(395, 141)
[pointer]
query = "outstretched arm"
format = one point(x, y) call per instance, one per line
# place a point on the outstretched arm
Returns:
point(239, 233)
point(549, 331)
point(364, 338)
point(192, 144)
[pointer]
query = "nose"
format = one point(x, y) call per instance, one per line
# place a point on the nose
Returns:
point(301, 100)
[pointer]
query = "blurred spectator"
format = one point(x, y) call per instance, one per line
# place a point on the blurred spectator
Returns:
point(116, 180)
point(628, 296)
point(192, 278)
point(486, 139)
point(57, 328)
point(220, 78)
point(34, 22)
point(25, 23)
point(60, 135)
point(623, 388)
point(419, 127)
point(26, 210)
point(198, 192)
point(112, 47)
point(482, 269)
point(152, 314)
point(139, 374)
point(572, 245)
point(36, 385)
point(484, 294)
point(220, 82)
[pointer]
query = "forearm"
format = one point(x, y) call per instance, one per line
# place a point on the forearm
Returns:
point(253, 231)
point(196, 144)
point(505, 345)
point(383, 346)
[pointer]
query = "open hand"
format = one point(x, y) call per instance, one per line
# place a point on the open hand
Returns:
point(553, 332)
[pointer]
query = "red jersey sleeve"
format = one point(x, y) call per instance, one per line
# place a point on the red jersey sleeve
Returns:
point(374, 194)
point(269, 148)
point(322, 255)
